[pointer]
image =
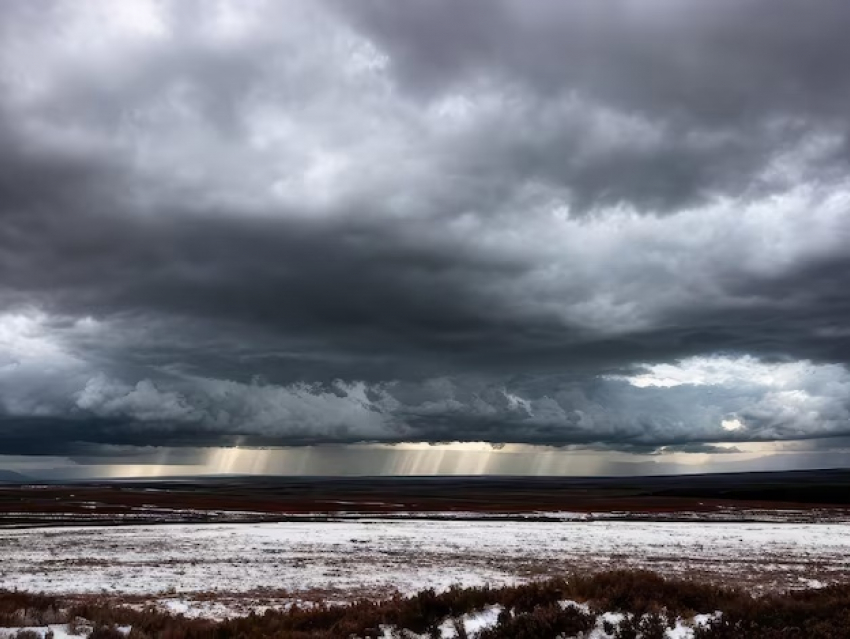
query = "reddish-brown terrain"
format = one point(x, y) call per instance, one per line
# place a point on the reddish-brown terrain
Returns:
point(809, 495)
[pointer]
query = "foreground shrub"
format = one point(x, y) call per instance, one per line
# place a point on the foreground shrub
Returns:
point(543, 621)
point(650, 604)
point(27, 609)
point(815, 614)
point(641, 591)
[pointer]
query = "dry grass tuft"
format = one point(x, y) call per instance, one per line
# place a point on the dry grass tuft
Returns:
point(651, 604)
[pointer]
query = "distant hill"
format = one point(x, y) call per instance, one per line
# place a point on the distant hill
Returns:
point(11, 477)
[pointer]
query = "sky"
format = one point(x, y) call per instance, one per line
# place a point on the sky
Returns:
point(482, 235)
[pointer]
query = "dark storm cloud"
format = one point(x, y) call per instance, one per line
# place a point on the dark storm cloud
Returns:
point(431, 222)
point(700, 448)
point(721, 87)
point(729, 60)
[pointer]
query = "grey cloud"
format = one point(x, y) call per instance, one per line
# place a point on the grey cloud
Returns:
point(727, 59)
point(443, 221)
point(701, 448)
point(745, 402)
point(724, 87)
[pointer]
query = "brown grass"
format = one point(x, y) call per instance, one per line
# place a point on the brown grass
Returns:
point(531, 611)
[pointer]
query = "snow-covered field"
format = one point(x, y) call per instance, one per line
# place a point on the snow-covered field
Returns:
point(59, 631)
point(176, 564)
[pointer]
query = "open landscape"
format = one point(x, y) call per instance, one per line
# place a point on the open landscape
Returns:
point(424, 319)
point(222, 549)
point(801, 496)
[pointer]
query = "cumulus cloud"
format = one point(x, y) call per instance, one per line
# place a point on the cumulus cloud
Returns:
point(515, 222)
point(144, 401)
point(684, 406)
point(37, 371)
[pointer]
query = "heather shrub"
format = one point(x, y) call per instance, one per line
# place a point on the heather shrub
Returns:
point(651, 604)
point(542, 621)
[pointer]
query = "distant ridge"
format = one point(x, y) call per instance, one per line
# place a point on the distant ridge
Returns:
point(11, 477)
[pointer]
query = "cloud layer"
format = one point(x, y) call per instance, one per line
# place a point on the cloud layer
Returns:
point(300, 222)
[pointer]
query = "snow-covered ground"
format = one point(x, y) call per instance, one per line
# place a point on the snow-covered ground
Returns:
point(59, 631)
point(488, 617)
point(174, 564)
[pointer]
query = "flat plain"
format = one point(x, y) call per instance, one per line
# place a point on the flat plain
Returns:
point(224, 548)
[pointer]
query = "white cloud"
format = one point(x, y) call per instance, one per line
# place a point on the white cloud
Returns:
point(732, 424)
point(37, 368)
point(743, 371)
